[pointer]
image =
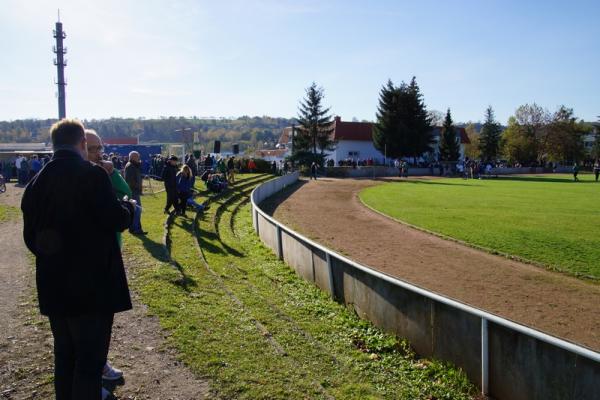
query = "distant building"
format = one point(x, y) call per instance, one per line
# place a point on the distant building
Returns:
point(121, 140)
point(272, 155)
point(24, 147)
point(354, 140)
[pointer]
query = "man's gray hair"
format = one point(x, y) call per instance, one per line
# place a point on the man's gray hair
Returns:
point(92, 132)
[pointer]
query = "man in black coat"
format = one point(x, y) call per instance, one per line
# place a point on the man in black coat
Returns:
point(169, 177)
point(71, 216)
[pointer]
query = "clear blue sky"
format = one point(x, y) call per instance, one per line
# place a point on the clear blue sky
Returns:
point(230, 58)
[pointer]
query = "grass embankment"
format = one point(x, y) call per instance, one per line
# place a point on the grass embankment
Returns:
point(549, 220)
point(8, 213)
point(242, 318)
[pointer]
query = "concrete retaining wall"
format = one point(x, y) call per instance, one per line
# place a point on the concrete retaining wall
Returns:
point(506, 360)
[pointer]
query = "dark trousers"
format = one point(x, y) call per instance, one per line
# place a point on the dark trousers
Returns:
point(171, 200)
point(80, 351)
point(182, 201)
point(136, 224)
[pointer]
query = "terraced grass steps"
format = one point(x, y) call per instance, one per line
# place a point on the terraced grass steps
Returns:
point(242, 318)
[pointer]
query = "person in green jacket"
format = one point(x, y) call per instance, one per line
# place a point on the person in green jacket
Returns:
point(121, 187)
point(94, 154)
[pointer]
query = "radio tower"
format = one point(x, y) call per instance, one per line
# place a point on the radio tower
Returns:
point(60, 63)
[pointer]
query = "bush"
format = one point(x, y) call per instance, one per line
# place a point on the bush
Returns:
point(262, 165)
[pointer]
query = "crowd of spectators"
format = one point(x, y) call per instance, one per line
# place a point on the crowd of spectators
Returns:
point(22, 167)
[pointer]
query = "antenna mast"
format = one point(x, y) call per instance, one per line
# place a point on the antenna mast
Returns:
point(60, 63)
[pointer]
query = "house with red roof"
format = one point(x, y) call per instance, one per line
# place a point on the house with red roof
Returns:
point(354, 140)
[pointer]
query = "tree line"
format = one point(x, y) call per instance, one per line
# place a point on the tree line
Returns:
point(250, 132)
point(404, 129)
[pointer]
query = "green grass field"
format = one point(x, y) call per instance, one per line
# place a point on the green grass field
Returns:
point(220, 284)
point(545, 219)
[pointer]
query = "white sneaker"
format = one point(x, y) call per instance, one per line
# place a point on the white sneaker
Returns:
point(111, 374)
point(105, 394)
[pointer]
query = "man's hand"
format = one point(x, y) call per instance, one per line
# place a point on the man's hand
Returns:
point(108, 166)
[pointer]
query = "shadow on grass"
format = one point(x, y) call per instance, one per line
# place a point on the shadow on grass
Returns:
point(428, 182)
point(185, 282)
point(157, 251)
point(206, 239)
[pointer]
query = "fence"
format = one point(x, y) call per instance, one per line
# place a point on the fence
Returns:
point(505, 359)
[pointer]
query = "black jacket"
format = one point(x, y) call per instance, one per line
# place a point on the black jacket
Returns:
point(133, 177)
point(71, 215)
point(169, 177)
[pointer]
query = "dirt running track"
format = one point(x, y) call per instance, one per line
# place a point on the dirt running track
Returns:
point(551, 302)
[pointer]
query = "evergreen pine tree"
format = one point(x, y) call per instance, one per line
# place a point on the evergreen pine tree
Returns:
point(449, 143)
point(388, 137)
point(419, 121)
point(403, 125)
point(315, 124)
point(489, 138)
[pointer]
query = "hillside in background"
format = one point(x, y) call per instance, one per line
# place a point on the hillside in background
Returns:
point(250, 132)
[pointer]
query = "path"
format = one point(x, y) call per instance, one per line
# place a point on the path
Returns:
point(548, 301)
point(152, 370)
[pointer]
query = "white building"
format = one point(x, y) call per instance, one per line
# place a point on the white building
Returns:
point(354, 140)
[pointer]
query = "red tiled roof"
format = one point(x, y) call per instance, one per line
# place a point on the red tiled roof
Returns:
point(464, 138)
point(362, 131)
point(285, 137)
point(121, 140)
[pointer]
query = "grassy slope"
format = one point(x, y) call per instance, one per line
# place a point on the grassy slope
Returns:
point(8, 213)
point(550, 220)
point(213, 299)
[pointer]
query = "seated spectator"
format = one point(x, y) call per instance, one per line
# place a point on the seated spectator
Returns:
point(216, 183)
point(185, 183)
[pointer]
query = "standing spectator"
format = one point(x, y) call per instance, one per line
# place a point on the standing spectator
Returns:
point(222, 167)
point(95, 155)
point(24, 171)
point(597, 169)
point(231, 170)
point(575, 172)
point(191, 162)
point(169, 176)
point(313, 171)
point(185, 183)
point(70, 217)
point(18, 162)
point(251, 165)
point(208, 162)
point(133, 177)
point(36, 166)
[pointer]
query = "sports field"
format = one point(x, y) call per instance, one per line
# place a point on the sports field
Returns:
point(546, 219)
